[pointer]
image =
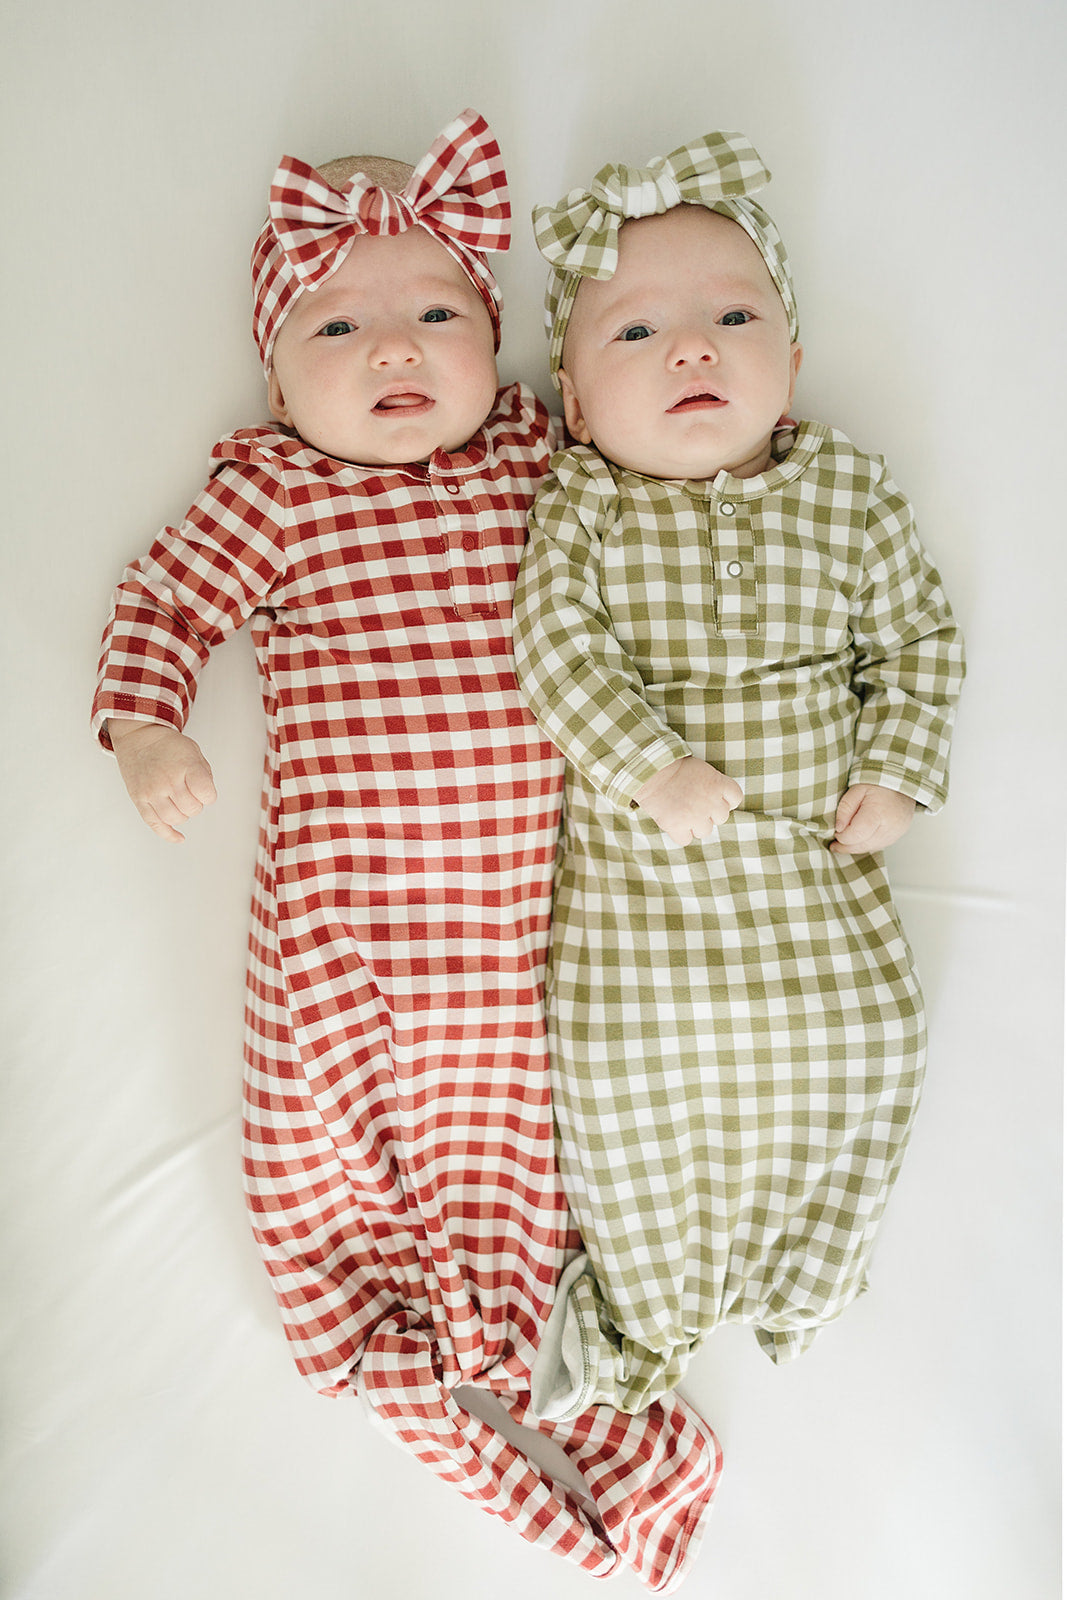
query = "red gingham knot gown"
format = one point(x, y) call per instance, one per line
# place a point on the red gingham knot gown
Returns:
point(400, 1163)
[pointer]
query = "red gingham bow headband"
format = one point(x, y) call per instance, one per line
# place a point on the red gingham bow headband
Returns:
point(457, 192)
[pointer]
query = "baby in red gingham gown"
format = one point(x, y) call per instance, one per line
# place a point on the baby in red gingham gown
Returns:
point(399, 1148)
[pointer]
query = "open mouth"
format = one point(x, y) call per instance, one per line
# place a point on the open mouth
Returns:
point(696, 400)
point(403, 403)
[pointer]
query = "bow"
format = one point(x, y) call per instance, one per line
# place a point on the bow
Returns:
point(581, 234)
point(458, 192)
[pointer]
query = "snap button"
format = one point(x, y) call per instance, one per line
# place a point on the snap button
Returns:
point(453, 488)
point(727, 508)
point(470, 541)
point(735, 569)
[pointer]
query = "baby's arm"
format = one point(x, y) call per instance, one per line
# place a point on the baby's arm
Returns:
point(195, 587)
point(578, 680)
point(689, 799)
point(871, 818)
point(907, 671)
point(165, 774)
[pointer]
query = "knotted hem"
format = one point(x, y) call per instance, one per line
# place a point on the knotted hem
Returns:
point(399, 1384)
point(651, 1476)
point(663, 1525)
point(783, 1345)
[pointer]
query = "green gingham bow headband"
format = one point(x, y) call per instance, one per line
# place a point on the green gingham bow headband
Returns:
point(579, 237)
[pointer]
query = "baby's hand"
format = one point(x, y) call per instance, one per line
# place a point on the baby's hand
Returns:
point(689, 799)
point(870, 818)
point(165, 774)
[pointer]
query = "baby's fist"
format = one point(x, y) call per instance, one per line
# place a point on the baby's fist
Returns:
point(689, 799)
point(165, 774)
point(870, 818)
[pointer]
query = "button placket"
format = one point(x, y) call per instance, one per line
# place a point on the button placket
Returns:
point(736, 591)
point(469, 590)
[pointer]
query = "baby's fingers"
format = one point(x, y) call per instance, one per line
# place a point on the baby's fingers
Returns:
point(727, 799)
point(201, 787)
point(732, 794)
point(871, 818)
point(854, 842)
point(161, 818)
point(165, 813)
point(848, 806)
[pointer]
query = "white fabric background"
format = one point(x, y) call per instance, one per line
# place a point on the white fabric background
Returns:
point(159, 1443)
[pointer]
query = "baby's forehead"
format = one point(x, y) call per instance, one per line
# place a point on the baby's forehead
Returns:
point(717, 242)
point(689, 249)
point(393, 267)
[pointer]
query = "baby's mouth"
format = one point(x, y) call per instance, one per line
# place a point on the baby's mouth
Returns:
point(405, 402)
point(697, 400)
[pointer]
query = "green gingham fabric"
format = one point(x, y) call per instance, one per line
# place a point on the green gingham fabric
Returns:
point(736, 1026)
point(579, 237)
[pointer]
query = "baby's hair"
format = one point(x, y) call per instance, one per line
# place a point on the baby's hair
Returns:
point(381, 170)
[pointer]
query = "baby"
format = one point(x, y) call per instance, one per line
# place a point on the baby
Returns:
point(398, 1154)
point(726, 623)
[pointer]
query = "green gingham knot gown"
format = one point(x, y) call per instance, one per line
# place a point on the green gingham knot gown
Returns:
point(736, 1026)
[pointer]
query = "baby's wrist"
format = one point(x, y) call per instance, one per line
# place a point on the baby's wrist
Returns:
point(119, 729)
point(657, 783)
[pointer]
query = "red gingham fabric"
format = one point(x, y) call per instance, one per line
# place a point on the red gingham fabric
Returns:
point(400, 1164)
point(457, 192)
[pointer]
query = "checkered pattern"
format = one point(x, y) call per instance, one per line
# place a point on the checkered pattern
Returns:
point(579, 237)
point(736, 1026)
point(457, 192)
point(650, 1478)
point(399, 1153)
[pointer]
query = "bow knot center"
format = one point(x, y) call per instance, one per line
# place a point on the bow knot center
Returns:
point(644, 192)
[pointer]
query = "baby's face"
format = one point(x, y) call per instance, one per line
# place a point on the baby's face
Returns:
point(680, 365)
point(391, 359)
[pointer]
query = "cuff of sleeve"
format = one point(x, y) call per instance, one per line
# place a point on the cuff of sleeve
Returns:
point(931, 796)
point(635, 774)
point(132, 707)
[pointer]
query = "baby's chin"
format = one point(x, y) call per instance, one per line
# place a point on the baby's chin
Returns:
point(378, 453)
point(661, 468)
point(687, 468)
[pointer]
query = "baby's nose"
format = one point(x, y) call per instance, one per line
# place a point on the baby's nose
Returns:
point(394, 347)
point(694, 345)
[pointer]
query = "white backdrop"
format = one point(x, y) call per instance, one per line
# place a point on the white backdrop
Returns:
point(159, 1443)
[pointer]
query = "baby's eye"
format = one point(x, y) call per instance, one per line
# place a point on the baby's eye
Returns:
point(437, 314)
point(637, 330)
point(334, 330)
point(735, 319)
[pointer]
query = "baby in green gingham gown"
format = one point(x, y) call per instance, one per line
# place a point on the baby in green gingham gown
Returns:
point(727, 624)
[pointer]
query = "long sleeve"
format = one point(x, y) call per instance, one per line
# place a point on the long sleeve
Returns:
point(581, 685)
point(195, 587)
point(909, 662)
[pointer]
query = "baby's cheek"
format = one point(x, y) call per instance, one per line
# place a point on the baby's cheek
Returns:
point(482, 385)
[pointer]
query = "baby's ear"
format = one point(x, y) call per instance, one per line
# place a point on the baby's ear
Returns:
point(572, 411)
point(796, 356)
point(276, 400)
